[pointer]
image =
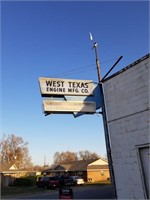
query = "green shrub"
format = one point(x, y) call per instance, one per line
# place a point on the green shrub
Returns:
point(31, 177)
point(24, 182)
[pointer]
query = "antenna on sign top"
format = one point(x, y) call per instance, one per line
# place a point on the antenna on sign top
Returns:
point(94, 43)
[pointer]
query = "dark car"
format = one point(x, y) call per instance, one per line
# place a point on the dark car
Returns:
point(69, 182)
point(48, 182)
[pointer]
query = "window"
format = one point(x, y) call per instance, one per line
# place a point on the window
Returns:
point(102, 173)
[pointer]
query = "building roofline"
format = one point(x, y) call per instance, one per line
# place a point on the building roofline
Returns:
point(128, 66)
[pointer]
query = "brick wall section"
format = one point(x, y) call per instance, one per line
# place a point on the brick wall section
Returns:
point(127, 104)
point(101, 175)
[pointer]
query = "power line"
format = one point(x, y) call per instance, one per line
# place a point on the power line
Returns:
point(75, 70)
point(80, 69)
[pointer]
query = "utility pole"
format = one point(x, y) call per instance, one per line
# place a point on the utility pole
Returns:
point(104, 115)
point(44, 161)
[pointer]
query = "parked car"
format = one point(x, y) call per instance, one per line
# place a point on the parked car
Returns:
point(48, 182)
point(62, 180)
point(74, 180)
point(69, 182)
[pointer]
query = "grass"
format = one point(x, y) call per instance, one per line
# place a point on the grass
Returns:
point(98, 183)
point(13, 190)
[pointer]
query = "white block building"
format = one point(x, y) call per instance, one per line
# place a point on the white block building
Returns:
point(127, 96)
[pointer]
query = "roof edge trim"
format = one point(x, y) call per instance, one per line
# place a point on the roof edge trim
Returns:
point(127, 67)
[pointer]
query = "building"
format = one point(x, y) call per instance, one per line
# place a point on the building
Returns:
point(98, 170)
point(9, 172)
point(127, 97)
point(91, 170)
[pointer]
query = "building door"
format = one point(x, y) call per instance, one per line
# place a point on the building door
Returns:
point(144, 154)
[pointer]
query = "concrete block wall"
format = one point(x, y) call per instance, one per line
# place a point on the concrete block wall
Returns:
point(128, 103)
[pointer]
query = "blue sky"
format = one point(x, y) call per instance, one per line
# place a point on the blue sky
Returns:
point(49, 39)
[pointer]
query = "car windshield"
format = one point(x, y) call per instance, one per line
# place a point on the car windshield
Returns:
point(48, 178)
point(76, 177)
point(53, 178)
point(44, 178)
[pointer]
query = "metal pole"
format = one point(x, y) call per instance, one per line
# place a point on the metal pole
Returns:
point(111, 68)
point(107, 140)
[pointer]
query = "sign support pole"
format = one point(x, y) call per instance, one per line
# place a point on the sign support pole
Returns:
point(106, 132)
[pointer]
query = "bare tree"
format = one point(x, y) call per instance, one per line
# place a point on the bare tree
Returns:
point(15, 151)
point(87, 155)
point(37, 168)
point(68, 157)
point(64, 157)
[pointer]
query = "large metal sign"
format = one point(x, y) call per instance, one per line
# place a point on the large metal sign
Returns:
point(55, 106)
point(95, 98)
point(56, 86)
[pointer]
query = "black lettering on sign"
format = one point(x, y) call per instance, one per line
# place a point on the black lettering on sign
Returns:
point(78, 85)
point(73, 90)
point(86, 85)
point(84, 90)
point(55, 83)
point(49, 83)
point(76, 90)
point(82, 85)
point(53, 89)
point(69, 90)
point(73, 84)
point(70, 83)
point(60, 83)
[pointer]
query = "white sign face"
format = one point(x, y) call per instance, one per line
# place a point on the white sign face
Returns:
point(55, 86)
point(54, 106)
